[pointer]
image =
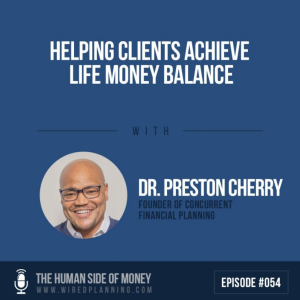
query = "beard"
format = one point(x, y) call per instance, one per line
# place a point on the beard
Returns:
point(87, 223)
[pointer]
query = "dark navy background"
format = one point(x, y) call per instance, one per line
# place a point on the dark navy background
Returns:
point(168, 279)
point(36, 95)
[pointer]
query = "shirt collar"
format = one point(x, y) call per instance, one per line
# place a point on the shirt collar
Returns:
point(101, 230)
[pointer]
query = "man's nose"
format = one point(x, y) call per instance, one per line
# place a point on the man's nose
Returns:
point(81, 199)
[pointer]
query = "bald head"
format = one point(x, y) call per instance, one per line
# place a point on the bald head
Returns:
point(81, 172)
point(86, 212)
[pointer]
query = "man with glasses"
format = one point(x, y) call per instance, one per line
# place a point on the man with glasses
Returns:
point(83, 197)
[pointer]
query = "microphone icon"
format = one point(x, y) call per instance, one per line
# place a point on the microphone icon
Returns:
point(20, 285)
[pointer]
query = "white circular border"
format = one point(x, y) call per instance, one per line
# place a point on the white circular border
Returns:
point(49, 191)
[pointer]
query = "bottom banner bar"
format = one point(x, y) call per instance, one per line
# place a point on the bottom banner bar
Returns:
point(135, 280)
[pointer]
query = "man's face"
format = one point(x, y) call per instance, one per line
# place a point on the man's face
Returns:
point(84, 214)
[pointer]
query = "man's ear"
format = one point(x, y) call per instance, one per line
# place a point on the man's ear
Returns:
point(61, 199)
point(106, 191)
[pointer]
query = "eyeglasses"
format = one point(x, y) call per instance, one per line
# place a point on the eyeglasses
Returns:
point(89, 192)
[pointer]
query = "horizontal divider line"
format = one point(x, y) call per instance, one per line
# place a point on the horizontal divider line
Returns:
point(223, 130)
point(97, 130)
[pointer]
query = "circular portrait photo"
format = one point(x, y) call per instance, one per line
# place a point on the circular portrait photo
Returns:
point(83, 195)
